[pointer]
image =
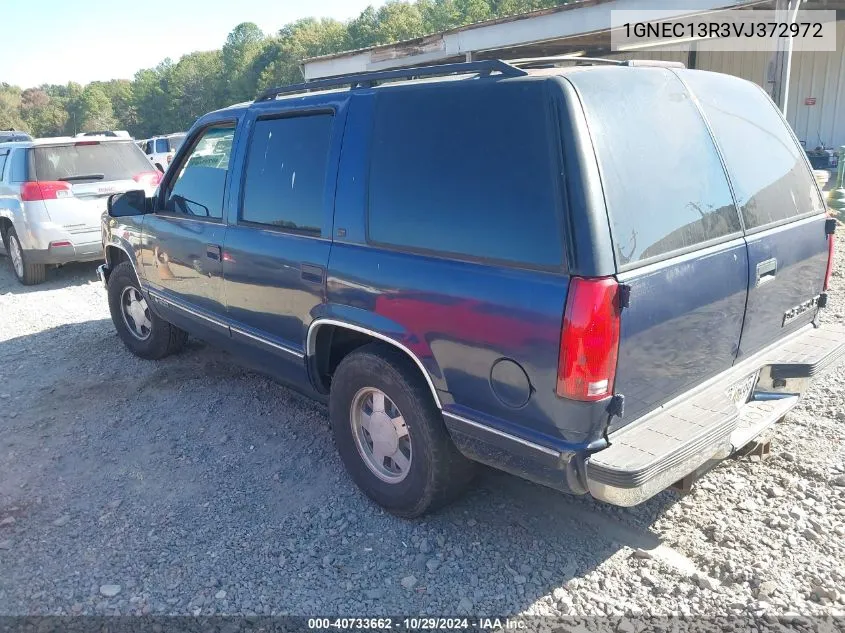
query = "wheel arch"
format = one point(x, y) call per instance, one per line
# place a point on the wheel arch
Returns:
point(5, 224)
point(312, 352)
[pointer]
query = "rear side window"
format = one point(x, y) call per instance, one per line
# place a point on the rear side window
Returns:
point(768, 171)
point(3, 156)
point(89, 161)
point(18, 166)
point(161, 146)
point(285, 177)
point(664, 184)
point(470, 169)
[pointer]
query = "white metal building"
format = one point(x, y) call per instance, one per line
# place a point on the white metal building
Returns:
point(809, 86)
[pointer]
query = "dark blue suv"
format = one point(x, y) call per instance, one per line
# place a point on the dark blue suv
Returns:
point(603, 278)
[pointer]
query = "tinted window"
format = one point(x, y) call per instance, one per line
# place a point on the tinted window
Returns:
point(100, 161)
point(198, 189)
point(468, 168)
point(18, 167)
point(767, 167)
point(161, 146)
point(148, 147)
point(663, 181)
point(3, 156)
point(286, 172)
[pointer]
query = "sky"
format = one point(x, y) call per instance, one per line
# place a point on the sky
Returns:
point(85, 40)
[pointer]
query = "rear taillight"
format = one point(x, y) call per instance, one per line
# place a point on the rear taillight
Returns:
point(148, 178)
point(47, 190)
point(829, 271)
point(589, 339)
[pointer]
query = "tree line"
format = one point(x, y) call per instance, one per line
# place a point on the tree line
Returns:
point(172, 95)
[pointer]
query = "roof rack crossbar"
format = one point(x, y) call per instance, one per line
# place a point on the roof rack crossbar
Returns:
point(534, 61)
point(366, 80)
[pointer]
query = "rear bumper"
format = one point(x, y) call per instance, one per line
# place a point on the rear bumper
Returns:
point(704, 424)
point(87, 252)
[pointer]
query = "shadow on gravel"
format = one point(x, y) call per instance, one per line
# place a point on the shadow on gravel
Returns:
point(184, 478)
point(76, 274)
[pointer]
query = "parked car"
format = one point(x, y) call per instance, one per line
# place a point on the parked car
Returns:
point(10, 136)
point(161, 149)
point(53, 192)
point(584, 276)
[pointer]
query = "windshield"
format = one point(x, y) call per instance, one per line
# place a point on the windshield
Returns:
point(94, 161)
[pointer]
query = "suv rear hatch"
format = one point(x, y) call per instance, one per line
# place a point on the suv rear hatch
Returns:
point(74, 181)
point(702, 295)
point(781, 207)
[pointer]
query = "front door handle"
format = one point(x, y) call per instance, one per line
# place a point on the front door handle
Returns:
point(766, 271)
point(213, 251)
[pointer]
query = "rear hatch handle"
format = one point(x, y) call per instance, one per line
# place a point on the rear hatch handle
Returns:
point(766, 271)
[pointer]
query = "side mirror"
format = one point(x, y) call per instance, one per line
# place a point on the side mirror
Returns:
point(121, 205)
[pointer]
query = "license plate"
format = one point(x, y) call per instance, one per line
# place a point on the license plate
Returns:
point(741, 390)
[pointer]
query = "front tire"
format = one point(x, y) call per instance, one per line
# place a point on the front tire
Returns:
point(141, 330)
point(391, 436)
point(28, 274)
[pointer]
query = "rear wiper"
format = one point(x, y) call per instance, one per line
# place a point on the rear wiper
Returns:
point(84, 177)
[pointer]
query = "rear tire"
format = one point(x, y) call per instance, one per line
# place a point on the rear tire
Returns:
point(141, 330)
point(434, 473)
point(28, 274)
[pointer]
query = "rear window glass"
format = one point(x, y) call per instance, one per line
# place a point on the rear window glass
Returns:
point(468, 169)
point(664, 184)
point(97, 161)
point(161, 146)
point(768, 171)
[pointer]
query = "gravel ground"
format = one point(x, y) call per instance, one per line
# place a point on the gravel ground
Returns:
point(193, 486)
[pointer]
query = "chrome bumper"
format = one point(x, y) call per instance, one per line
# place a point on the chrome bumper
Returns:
point(705, 424)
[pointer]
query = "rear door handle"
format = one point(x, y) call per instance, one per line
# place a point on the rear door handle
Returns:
point(213, 251)
point(766, 271)
point(312, 273)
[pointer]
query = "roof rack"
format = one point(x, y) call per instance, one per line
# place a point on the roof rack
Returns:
point(540, 62)
point(366, 80)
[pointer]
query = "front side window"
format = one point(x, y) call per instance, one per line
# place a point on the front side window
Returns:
point(198, 188)
point(3, 156)
point(285, 179)
point(175, 142)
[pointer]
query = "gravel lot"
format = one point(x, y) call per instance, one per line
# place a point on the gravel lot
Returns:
point(193, 486)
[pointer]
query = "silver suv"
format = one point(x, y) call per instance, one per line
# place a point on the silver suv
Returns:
point(53, 192)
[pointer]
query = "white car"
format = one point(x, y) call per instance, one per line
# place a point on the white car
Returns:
point(161, 149)
point(53, 192)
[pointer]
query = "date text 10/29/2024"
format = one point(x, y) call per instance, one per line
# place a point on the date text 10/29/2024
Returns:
point(416, 624)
